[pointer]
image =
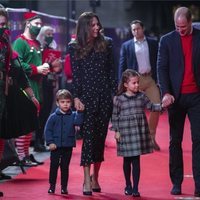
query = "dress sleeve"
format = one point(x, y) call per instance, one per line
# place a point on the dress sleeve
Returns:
point(22, 48)
point(76, 73)
point(115, 114)
point(154, 107)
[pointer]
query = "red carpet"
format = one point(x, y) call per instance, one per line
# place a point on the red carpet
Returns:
point(154, 183)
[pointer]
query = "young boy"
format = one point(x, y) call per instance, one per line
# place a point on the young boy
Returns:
point(59, 132)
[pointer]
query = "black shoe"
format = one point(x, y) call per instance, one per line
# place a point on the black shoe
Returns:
point(32, 158)
point(4, 176)
point(96, 189)
point(1, 194)
point(87, 193)
point(128, 190)
point(176, 190)
point(52, 189)
point(28, 163)
point(40, 148)
point(64, 191)
point(197, 193)
point(136, 194)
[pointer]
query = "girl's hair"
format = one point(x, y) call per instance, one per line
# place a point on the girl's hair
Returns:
point(63, 94)
point(126, 75)
point(83, 31)
point(41, 37)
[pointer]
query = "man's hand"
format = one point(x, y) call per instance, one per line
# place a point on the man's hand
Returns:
point(52, 147)
point(167, 100)
point(43, 69)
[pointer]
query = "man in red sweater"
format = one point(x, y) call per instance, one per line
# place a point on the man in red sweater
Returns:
point(179, 80)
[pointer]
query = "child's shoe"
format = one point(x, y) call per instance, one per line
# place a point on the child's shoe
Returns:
point(52, 189)
point(128, 190)
point(136, 194)
point(64, 190)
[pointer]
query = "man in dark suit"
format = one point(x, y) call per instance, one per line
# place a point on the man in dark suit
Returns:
point(179, 80)
point(140, 54)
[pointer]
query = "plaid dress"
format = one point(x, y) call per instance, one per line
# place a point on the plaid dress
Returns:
point(129, 119)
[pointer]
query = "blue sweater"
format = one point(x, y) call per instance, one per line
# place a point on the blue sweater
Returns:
point(60, 128)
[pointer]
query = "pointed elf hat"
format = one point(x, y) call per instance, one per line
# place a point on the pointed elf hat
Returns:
point(28, 16)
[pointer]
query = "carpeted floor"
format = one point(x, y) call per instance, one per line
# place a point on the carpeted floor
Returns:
point(154, 183)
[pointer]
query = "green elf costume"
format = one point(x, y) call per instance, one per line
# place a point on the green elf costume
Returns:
point(30, 56)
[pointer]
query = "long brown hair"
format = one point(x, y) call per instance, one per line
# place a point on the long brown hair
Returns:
point(126, 75)
point(83, 28)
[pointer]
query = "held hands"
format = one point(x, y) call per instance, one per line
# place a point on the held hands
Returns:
point(43, 69)
point(117, 136)
point(78, 104)
point(52, 147)
point(167, 100)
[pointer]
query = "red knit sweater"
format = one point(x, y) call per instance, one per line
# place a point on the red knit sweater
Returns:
point(188, 84)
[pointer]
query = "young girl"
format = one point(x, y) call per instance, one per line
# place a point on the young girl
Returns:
point(131, 128)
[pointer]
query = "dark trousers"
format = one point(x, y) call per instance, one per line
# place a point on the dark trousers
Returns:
point(188, 104)
point(60, 157)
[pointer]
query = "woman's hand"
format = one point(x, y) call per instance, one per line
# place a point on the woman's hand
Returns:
point(29, 92)
point(36, 103)
point(78, 104)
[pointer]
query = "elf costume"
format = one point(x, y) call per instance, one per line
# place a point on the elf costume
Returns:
point(30, 55)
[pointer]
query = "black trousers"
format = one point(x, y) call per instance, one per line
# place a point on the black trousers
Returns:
point(188, 104)
point(60, 157)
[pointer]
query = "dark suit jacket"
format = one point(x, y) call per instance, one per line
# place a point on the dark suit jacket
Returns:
point(128, 58)
point(171, 62)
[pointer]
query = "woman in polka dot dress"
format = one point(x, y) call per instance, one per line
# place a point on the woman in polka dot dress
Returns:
point(94, 84)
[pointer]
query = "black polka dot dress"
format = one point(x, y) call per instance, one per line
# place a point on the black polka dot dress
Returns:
point(94, 83)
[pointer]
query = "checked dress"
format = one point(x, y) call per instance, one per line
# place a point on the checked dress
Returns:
point(130, 121)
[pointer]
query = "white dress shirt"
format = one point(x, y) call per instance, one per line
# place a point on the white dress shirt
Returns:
point(142, 55)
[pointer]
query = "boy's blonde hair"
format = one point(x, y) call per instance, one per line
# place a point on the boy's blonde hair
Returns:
point(63, 94)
